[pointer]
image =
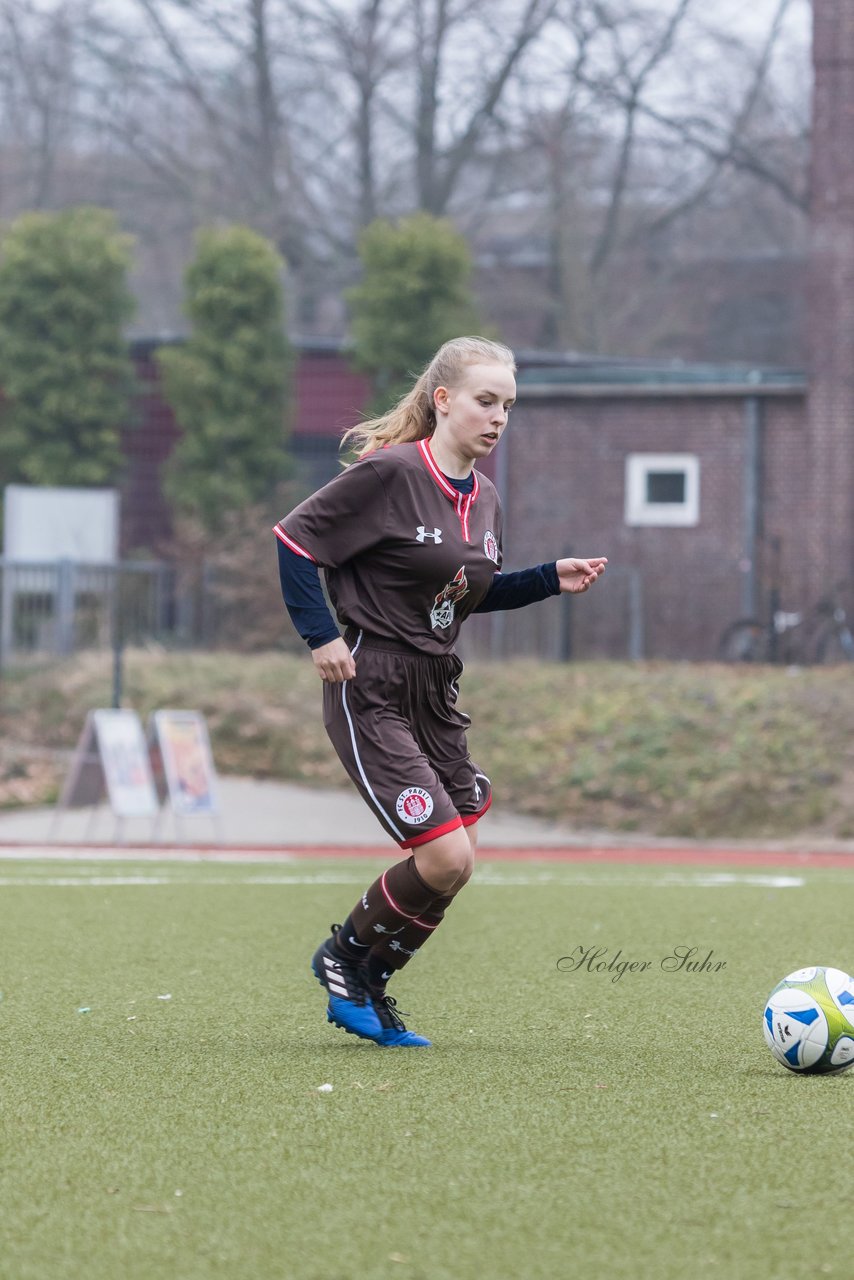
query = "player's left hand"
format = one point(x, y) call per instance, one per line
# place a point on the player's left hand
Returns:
point(576, 576)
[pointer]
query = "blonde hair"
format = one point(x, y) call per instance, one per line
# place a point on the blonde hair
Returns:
point(414, 415)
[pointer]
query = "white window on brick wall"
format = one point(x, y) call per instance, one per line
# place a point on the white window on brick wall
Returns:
point(662, 489)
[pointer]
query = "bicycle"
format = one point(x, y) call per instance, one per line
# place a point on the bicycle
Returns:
point(834, 641)
point(821, 635)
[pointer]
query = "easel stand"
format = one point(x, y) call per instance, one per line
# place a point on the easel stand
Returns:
point(110, 761)
point(142, 776)
point(184, 772)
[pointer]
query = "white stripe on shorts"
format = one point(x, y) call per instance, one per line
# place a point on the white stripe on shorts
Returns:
point(358, 758)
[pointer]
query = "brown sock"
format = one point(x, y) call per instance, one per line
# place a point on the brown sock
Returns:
point(391, 903)
point(391, 954)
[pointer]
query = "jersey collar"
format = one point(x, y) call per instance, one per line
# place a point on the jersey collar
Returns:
point(435, 471)
point(462, 501)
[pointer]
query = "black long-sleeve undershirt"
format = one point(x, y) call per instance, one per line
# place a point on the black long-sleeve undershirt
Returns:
point(309, 612)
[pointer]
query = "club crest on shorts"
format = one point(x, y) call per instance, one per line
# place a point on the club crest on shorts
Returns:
point(414, 805)
point(442, 613)
point(490, 545)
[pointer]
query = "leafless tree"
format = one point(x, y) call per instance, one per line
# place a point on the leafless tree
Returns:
point(311, 118)
point(481, 27)
point(354, 50)
point(638, 128)
point(201, 108)
point(36, 98)
point(580, 130)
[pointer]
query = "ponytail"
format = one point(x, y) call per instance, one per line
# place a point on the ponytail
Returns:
point(414, 415)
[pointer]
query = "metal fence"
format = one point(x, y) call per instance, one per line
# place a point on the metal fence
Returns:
point(64, 607)
point(598, 624)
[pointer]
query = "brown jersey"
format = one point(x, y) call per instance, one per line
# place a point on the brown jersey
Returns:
point(405, 554)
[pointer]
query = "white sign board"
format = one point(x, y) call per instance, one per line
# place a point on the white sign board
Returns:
point(112, 753)
point(43, 524)
point(181, 737)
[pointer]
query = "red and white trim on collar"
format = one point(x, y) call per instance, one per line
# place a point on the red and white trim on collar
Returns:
point(462, 501)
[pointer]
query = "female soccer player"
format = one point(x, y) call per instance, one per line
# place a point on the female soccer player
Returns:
point(409, 538)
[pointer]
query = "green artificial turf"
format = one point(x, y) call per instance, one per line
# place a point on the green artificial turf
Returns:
point(564, 1123)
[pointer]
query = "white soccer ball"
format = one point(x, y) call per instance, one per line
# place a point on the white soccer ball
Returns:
point(809, 1020)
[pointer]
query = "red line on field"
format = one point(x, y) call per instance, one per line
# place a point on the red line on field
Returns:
point(655, 855)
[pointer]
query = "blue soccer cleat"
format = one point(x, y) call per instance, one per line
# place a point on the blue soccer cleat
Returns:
point(394, 1033)
point(350, 1006)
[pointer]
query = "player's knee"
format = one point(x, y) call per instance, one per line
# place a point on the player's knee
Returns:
point(465, 875)
point(466, 865)
point(445, 861)
point(467, 870)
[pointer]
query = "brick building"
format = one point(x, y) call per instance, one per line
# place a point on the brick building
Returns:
point(328, 398)
point(680, 474)
point(829, 476)
point(710, 488)
point(685, 475)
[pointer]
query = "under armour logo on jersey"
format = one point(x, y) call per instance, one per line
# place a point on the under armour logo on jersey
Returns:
point(380, 928)
point(421, 534)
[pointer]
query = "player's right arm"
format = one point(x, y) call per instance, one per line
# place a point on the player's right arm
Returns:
point(306, 605)
point(340, 520)
point(334, 662)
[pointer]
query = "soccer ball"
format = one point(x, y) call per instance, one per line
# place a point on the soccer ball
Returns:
point(809, 1020)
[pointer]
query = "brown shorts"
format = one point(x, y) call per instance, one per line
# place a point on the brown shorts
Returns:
point(400, 737)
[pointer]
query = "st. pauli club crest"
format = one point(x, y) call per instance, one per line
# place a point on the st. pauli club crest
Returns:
point(414, 805)
point(490, 546)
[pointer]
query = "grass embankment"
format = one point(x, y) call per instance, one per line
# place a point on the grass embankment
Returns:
point(671, 749)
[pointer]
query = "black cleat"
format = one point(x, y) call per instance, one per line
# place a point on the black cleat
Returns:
point(350, 1006)
point(394, 1032)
